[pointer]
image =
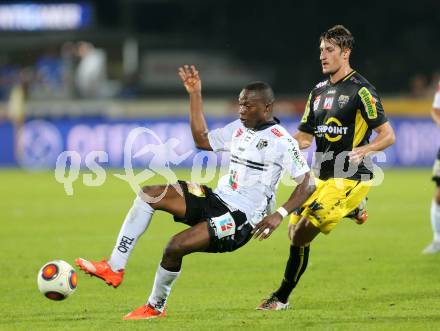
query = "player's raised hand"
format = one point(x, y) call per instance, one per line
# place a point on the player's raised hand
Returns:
point(190, 78)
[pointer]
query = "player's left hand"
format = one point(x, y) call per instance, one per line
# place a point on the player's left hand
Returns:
point(267, 225)
point(357, 154)
point(190, 78)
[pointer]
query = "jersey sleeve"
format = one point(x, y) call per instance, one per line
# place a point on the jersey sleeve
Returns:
point(436, 101)
point(371, 107)
point(220, 139)
point(308, 119)
point(293, 160)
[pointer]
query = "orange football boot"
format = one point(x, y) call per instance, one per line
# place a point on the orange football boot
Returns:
point(359, 215)
point(145, 312)
point(101, 270)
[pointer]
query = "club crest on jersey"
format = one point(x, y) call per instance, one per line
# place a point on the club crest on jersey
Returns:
point(316, 102)
point(328, 103)
point(261, 144)
point(276, 132)
point(343, 100)
point(224, 225)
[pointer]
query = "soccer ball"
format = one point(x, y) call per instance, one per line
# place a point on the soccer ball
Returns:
point(57, 280)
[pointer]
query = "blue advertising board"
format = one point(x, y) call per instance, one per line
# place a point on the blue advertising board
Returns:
point(40, 141)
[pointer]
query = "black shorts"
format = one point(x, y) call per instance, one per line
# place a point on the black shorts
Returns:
point(436, 170)
point(228, 230)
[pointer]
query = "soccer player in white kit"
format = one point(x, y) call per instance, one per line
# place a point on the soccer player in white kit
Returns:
point(223, 219)
point(434, 247)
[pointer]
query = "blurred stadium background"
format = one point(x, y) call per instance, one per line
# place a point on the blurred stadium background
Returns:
point(88, 71)
point(80, 75)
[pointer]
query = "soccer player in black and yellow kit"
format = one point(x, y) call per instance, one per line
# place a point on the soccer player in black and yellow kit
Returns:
point(341, 113)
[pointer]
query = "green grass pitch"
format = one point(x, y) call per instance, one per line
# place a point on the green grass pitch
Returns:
point(370, 277)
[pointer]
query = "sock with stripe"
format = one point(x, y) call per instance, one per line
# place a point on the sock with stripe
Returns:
point(296, 265)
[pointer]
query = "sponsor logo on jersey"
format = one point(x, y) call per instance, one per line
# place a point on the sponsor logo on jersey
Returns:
point(224, 225)
point(239, 132)
point(306, 110)
point(332, 130)
point(316, 102)
point(262, 144)
point(321, 84)
point(276, 132)
point(233, 179)
point(343, 100)
point(328, 103)
point(297, 158)
point(369, 102)
point(331, 91)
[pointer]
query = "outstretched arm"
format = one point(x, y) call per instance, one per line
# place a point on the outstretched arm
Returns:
point(301, 193)
point(193, 85)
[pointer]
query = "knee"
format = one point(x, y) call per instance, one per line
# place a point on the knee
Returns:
point(304, 233)
point(174, 249)
point(151, 194)
point(152, 190)
point(298, 239)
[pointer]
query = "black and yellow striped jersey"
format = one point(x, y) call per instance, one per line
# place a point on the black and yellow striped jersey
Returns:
point(342, 116)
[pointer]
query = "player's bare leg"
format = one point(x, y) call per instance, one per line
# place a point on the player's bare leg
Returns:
point(304, 233)
point(194, 239)
point(301, 234)
point(135, 224)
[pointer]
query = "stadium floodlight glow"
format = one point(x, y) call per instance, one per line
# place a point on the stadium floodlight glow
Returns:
point(34, 17)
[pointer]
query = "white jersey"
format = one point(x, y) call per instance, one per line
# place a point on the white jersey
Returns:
point(257, 161)
point(436, 102)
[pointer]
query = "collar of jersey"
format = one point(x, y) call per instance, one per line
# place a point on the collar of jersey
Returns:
point(266, 124)
point(342, 79)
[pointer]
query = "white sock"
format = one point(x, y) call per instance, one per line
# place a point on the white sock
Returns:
point(162, 287)
point(135, 224)
point(435, 220)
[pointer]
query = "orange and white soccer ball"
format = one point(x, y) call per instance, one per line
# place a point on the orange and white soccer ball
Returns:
point(57, 280)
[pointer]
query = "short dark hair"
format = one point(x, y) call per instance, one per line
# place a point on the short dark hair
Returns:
point(263, 89)
point(340, 35)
